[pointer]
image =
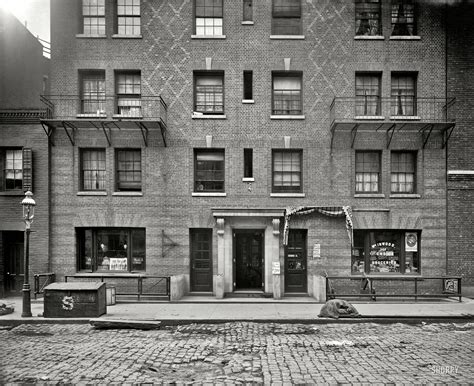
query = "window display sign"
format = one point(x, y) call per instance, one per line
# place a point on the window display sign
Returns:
point(118, 264)
point(451, 286)
point(316, 251)
point(275, 268)
point(411, 242)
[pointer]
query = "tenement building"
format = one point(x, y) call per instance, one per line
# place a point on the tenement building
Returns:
point(24, 160)
point(249, 146)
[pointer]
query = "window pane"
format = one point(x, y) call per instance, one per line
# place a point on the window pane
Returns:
point(367, 13)
point(129, 176)
point(286, 171)
point(13, 172)
point(209, 171)
point(403, 94)
point(138, 250)
point(209, 94)
point(403, 18)
point(367, 95)
point(93, 170)
point(287, 95)
point(367, 172)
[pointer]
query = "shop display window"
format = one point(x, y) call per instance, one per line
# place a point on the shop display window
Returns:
point(111, 249)
point(386, 252)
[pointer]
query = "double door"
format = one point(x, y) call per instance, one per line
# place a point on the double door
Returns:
point(249, 260)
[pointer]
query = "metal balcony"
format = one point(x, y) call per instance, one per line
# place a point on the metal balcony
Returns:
point(105, 113)
point(390, 115)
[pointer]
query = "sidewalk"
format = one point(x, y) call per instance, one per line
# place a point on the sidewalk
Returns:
point(194, 309)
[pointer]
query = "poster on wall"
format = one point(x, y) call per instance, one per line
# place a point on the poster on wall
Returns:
point(411, 242)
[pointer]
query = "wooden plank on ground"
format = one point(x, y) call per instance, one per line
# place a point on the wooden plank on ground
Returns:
point(125, 323)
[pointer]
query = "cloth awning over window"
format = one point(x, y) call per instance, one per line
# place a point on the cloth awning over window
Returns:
point(332, 211)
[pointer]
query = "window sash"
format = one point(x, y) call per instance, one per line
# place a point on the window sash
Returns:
point(13, 169)
point(368, 18)
point(248, 85)
point(129, 170)
point(93, 170)
point(287, 95)
point(287, 171)
point(367, 172)
point(403, 18)
point(93, 94)
point(403, 95)
point(403, 168)
point(209, 174)
point(93, 15)
point(248, 163)
point(247, 10)
point(368, 102)
point(209, 94)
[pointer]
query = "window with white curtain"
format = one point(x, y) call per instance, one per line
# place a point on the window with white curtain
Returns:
point(403, 172)
point(128, 88)
point(403, 93)
point(209, 92)
point(367, 90)
point(367, 172)
point(93, 171)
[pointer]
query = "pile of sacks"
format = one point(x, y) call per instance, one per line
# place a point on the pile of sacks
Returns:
point(4, 309)
point(337, 308)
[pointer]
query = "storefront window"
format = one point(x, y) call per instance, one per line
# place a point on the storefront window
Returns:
point(386, 252)
point(111, 249)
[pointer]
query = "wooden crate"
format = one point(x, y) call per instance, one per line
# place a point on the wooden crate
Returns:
point(75, 300)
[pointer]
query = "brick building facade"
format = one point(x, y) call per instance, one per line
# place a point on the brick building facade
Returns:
point(182, 132)
point(24, 155)
point(460, 150)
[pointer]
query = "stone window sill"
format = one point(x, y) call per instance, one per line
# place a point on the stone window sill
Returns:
point(287, 194)
point(119, 36)
point(287, 37)
point(287, 117)
point(404, 195)
point(248, 101)
point(208, 116)
point(369, 117)
point(91, 36)
point(128, 194)
point(364, 37)
point(91, 116)
point(208, 36)
point(92, 193)
point(248, 22)
point(405, 37)
point(209, 194)
point(405, 118)
point(369, 195)
point(248, 179)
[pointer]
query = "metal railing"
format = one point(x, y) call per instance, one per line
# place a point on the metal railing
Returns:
point(69, 107)
point(145, 286)
point(387, 286)
point(432, 110)
point(41, 280)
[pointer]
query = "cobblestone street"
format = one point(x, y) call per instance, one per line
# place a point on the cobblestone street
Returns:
point(239, 353)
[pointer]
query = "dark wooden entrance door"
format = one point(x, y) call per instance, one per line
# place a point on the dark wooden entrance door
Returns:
point(248, 260)
point(14, 264)
point(201, 260)
point(295, 262)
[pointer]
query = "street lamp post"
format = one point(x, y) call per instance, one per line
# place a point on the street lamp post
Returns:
point(28, 214)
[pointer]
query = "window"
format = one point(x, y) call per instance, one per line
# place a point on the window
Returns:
point(248, 163)
point(129, 170)
point(128, 17)
point(128, 90)
point(287, 171)
point(209, 93)
point(248, 10)
point(368, 91)
point(93, 17)
point(93, 170)
point(403, 169)
point(93, 92)
point(209, 15)
point(16, 169)
point(403, 94)
point(367, 172)
point(286, 17)
point(403, 18)
point(111, 249)
point(209, 171)
point(368, 20)
point(386, 252)
point(287, 94)
point(248, 85)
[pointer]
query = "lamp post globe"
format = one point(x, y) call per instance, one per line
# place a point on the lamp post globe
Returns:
point(28, 204)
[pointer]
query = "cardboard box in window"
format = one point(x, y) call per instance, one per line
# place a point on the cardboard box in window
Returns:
point(75, 300)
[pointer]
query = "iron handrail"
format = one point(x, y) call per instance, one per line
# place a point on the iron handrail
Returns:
point(140, 279)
